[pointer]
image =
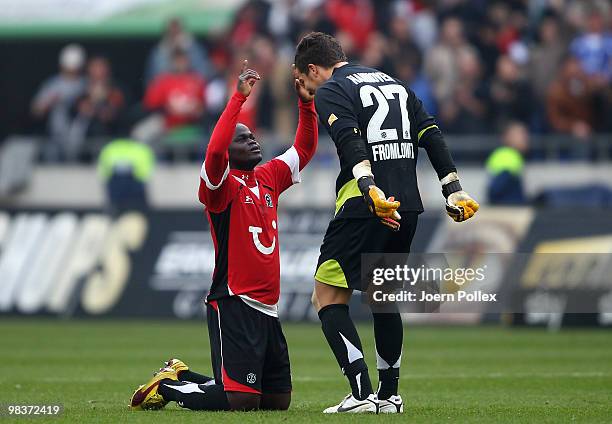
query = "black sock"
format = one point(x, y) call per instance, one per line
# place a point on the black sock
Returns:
point(199, 397)
point(194, 377)
point(343, 339)
point(389, 334)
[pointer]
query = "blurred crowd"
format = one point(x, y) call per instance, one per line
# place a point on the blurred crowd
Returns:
point(478, 66)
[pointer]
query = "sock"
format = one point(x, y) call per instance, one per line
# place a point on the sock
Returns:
point(194, 377)
point(198, 397)
point(343, 339)
point(389, 334)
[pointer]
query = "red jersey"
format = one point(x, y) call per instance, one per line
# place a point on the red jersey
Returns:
point(241, 207)
point(180, 95)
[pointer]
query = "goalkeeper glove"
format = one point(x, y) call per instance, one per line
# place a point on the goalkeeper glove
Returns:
point(459, 205)
point(379, 205)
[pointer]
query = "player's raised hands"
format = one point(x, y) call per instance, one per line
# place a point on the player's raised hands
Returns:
point(247, 79)
point(303, 93)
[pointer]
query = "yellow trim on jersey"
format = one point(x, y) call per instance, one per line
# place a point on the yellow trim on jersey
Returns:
point(332, 118)
point(330, 272)
point(423, 131)
point(348, 191)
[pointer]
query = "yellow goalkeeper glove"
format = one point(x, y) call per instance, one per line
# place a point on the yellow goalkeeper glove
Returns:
point(379, 205)
point(459, 205)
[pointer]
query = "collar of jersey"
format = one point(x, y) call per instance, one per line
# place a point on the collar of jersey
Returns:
point(341, 67)
point(247, 179)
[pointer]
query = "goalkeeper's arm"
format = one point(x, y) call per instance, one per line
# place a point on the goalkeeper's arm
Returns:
point(353, 148)
point(459, 205)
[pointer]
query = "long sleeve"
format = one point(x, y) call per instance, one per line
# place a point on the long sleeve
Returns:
point(217, 156)
point(216, 190)
point(438, 153)
point(307, 134)
point(336, 113)
point(430, 138)
point(285, 169)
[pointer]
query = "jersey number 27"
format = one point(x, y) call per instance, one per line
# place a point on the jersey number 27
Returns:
point(383, 94)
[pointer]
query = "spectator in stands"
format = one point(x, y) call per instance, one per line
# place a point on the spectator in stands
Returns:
point(217, 89)
point(281, 17)
point(348, 45)
point(479, 74)
point(408, 70)
point(313, 18)
point(485, 42)
point(593, 48)
point(401, 42)
point(55, 98)
point(510, 94)
point(98, 111)
point(546, 55)
point(175, 37)
point(125, 166)
point(442, 61)
point(288, 20)
point(420, 19)
point(179, 97)
point(353, 17)
point(570, 100)
point(375, 54)
point(545, 58)
point(505, 167)
point(274, 111)
point(466, 111)
point(249, 20)
point(509, 20)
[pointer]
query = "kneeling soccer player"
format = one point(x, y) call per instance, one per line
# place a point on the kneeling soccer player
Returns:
point(249, 352)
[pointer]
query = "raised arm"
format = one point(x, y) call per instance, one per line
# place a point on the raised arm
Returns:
point(216, 163)
point(307, 134)
point(217, 156)
point(216, 190)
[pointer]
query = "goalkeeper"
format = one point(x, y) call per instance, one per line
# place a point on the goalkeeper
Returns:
point(377, 124)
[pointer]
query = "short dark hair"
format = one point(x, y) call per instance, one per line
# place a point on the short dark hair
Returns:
point(319, 49)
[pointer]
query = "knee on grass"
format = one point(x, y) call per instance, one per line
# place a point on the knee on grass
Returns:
point(275, 401)
point(239, 401)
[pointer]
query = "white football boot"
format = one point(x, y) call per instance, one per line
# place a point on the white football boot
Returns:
point(393, 405)
point(351, 404)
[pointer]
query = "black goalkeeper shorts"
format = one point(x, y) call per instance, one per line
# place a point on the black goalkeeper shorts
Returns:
point(248, 348)
point(346, 239)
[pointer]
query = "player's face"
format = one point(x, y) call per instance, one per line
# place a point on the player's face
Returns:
point(315, 78)
point(244, 151)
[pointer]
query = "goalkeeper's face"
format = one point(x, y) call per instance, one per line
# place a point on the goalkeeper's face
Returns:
point(244, 151)
point(316, 77)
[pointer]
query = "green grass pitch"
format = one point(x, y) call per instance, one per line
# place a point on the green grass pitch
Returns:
point(449, 374)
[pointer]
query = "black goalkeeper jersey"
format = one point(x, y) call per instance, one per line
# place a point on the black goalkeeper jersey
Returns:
point(389, 118)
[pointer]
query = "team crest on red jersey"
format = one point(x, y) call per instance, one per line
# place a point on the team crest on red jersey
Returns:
point(269, 200)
